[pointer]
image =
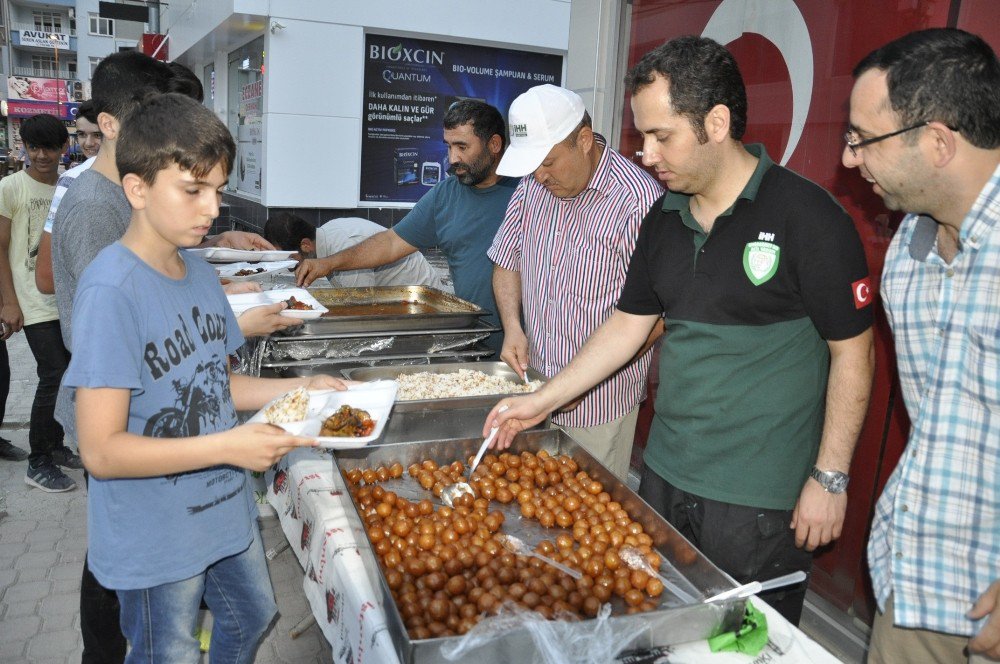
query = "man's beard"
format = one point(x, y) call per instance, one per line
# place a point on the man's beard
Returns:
point(475, 172)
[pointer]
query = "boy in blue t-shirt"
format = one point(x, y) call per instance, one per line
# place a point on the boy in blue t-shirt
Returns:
point(170, 513)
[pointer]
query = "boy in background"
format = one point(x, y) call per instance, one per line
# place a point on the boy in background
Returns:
point(171, 516)
point(88, 136)
point(25, 198)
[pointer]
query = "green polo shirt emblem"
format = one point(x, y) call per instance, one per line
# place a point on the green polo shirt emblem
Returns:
point(760, 261)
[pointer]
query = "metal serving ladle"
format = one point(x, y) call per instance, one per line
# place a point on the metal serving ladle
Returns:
point(451, 492)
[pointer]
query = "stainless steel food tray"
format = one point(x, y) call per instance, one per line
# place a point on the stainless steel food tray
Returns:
point(477, 327)
point(388, 308)
point(673, 622)
point(498, 369)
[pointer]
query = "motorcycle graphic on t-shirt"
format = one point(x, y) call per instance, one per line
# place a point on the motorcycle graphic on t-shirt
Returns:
point(197, 405)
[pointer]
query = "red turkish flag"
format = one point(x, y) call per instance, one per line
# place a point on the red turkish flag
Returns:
point(862, 289)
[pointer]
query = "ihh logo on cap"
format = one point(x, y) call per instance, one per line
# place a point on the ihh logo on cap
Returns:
point(519, 130)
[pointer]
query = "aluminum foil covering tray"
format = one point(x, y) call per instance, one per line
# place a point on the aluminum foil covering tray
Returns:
point(673, 621)
point(282, 350)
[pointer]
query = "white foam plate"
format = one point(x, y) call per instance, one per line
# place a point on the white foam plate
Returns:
point(226, 255)
point(229, 270)
point(376, 397)
point(244, 301)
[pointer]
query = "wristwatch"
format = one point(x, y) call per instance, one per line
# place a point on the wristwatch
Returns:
point(832, 481)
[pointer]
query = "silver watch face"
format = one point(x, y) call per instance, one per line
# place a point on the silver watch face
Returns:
point(831, 480)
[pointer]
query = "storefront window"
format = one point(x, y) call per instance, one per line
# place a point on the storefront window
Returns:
point(246, 107)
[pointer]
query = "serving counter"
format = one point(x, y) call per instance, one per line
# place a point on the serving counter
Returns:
point(343, 582)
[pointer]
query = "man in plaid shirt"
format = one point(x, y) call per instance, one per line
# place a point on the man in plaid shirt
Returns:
point(925, 131)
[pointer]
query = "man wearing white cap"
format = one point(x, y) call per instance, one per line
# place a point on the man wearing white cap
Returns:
point(561, 256)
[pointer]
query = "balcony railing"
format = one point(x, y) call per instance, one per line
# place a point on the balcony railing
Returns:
point(44, 73)
point(32, 26)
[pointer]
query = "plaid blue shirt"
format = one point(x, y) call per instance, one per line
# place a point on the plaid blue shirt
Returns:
point(935, 539)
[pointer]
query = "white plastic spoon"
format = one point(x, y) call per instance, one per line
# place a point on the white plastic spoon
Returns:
point(755, 587)
point(453, 491)
point(517, 545)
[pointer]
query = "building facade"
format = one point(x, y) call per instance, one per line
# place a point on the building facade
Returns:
point(50, 50)
point(299, 86)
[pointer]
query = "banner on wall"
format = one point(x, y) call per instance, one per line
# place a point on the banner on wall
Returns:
point(44, 39)
point(409, 84)
point(249, 138)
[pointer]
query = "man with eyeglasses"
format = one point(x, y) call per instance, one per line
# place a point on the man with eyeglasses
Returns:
point(925, 132)
point(767, 362)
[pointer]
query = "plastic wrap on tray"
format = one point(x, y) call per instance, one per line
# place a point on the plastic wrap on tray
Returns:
point(555, 641)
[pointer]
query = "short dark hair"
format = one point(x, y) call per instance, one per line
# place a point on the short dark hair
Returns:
point(942, 74)
point(486, 120)
point(44, 131)
point(702, 73)
point(173, 129)
point(286, 231)
point(122, 80)
point(87, 112)
point(185, 82)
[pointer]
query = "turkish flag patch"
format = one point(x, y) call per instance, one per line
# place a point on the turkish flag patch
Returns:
point(862, 289)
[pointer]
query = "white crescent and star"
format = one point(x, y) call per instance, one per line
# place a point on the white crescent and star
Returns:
point(782, 24)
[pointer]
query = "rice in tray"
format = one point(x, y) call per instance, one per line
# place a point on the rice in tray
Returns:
point(464, 383)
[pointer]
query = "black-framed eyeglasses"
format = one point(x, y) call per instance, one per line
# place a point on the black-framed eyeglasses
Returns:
point(851, 137)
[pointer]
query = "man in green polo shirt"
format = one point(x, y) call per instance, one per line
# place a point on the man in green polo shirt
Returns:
point(767, 362)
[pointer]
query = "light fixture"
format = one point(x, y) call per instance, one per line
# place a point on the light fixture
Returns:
point(275, 27)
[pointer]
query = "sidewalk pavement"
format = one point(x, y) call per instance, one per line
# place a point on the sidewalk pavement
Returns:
point(43, 540)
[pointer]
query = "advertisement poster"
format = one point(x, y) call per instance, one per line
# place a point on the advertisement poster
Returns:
point(36, 89)
point(409, 84)
point(249, 138)
point(27, 95)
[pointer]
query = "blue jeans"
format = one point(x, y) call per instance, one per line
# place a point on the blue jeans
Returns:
point(160, 622)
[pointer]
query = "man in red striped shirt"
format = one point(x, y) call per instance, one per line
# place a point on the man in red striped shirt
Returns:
point(562, 254)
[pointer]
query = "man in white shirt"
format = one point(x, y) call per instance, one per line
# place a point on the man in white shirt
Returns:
point(293, 233)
